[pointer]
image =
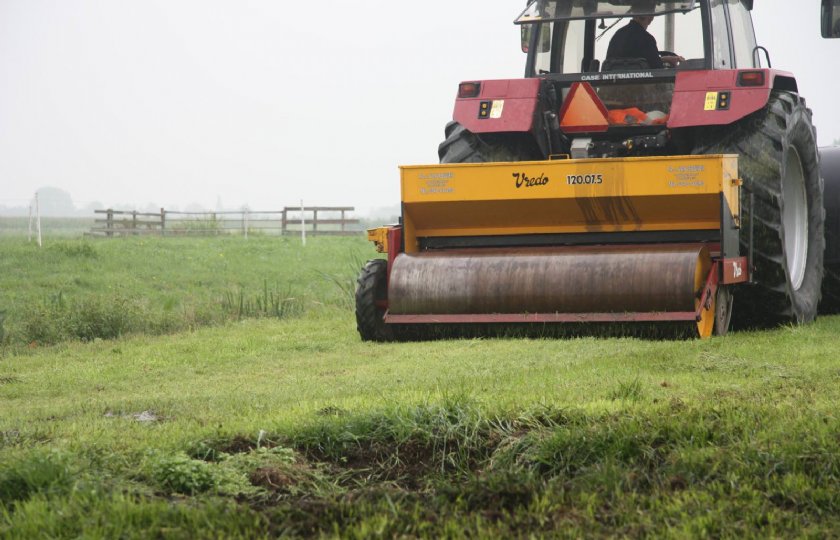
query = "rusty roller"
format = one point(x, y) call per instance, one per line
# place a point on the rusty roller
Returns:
point(602, 284)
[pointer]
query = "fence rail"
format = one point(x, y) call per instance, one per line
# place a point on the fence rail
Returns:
point(314, 220)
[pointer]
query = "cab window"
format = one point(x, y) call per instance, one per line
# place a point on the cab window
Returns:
point(721, 51)
point(544, 39)
point(743, 35)
point(688, 34)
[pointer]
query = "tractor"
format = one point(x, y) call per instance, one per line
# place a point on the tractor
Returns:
point(610, 191)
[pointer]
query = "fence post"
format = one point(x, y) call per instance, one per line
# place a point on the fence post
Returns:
point(245, 222)
point(302, 224)
point(314, 221)
point(283, 221)
point(162, 222)
point(134, 222)
point(342, 220)
point(109, 223)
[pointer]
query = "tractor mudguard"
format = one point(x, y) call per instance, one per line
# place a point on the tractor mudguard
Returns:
point(718, 98)
point(502, 106)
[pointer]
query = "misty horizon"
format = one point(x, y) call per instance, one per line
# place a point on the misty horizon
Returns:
point(185, 103)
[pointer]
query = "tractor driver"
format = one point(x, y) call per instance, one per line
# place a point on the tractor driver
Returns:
point(634, 41)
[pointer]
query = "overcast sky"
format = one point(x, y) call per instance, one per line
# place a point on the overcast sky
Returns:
point(266, 102)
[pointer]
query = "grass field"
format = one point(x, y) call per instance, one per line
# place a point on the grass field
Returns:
point(77, 289)
point(257, 423)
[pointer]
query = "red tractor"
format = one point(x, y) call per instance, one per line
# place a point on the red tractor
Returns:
point(662, 171)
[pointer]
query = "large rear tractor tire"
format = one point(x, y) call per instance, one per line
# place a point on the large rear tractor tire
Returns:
point(371, 294)
point(464, 146)
point(779, 164)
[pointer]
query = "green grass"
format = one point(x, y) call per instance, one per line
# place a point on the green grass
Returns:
point(293, 426)
point(74, 289)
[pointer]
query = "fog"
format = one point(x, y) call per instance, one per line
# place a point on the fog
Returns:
point(264, 103)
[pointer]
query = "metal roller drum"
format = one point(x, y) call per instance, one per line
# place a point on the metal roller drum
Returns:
point(572, 280)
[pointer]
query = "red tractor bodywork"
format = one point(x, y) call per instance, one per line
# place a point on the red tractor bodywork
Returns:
point(521, 100)
point(691, 89)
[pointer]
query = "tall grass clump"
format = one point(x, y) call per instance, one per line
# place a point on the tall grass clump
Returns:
point(345, 282)
point(270, 302)
point(43, 471)
point(79, 250)
point(57, 319)
point(631, 391)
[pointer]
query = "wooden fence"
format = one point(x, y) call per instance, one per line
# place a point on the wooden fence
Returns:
point(315, 220)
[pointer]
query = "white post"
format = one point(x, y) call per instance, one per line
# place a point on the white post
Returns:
point(38, 218)
point(302, 224)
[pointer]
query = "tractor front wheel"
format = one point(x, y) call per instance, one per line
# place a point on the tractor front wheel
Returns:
point(371, 295)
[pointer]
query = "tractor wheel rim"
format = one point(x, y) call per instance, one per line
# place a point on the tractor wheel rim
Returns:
point(795, 218)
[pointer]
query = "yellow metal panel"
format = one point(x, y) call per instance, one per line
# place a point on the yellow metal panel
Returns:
point(379, 236)
point(732, 188)
point(567, 196)
point(564, 178)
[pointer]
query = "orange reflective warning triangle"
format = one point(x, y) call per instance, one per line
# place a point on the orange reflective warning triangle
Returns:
point(583, 110)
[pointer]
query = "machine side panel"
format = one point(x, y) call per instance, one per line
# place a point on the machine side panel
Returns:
point(567, 197)
point(510, 106)
point(709, 98)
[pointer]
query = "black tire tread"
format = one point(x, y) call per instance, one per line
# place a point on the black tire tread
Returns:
point(463, 146)
point(761, 140)
point(371, 287)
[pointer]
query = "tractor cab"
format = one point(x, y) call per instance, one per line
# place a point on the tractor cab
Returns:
point(629, 54)
point(566, 37)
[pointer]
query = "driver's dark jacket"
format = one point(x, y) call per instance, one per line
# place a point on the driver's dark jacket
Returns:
point(633, 41)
